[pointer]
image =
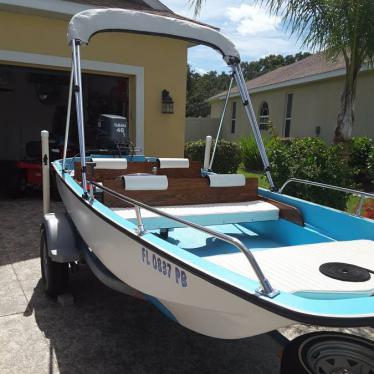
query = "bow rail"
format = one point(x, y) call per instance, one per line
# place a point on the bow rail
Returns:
point(363, 195)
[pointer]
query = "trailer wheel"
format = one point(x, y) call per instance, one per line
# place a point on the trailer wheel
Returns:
point(328, 353)
point(55, 276)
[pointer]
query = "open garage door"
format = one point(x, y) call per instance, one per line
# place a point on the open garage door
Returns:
point(33, 99)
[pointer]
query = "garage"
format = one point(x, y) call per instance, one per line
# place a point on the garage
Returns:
point(34, 99)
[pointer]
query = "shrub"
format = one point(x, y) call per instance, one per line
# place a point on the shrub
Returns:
point(311, 159)
point(370, 164)
point(227, 157)
point(250, 155)
point(360, 149)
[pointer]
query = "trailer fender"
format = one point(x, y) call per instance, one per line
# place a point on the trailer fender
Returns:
point(61, 237)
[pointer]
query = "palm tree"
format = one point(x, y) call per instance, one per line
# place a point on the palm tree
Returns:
point(196, 4)
point(336, 27)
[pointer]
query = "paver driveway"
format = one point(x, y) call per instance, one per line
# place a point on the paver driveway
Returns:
point(104, 331)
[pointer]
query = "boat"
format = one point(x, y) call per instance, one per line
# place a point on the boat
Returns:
point(214, 252)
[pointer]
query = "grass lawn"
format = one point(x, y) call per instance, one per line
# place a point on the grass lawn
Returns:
point(262, 180)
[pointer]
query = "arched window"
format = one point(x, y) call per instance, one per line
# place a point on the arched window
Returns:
point(263, 118)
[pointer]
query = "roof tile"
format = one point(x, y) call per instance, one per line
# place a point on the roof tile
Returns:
point(312, 65)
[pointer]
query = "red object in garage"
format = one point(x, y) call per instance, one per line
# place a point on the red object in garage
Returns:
point(33, 172)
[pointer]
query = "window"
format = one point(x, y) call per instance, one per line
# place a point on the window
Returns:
point(264, 119)
point(288, 116)
point(233, 117)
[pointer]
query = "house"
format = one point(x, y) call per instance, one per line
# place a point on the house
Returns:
point(298, 100)
point(124, 74)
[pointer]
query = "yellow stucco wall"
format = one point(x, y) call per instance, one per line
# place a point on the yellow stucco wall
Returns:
point(164, 61)
point(314, 104)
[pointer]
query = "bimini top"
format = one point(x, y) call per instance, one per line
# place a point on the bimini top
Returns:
point(89, 22)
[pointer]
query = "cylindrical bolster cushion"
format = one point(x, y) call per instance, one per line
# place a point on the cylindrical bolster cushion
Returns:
point(226, 180)
point(110, 163)
point(174, 163)
point(145, 182)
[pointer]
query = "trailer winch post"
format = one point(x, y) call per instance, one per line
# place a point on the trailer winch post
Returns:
point(45, 171)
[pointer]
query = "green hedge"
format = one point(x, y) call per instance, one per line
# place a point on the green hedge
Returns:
point(371, 166)
point(312, 159)
point(226, 160)
point(359, 150)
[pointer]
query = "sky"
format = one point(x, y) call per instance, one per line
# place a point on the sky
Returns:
point(254, 32)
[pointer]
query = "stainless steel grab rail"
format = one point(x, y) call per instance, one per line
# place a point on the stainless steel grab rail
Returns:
point(364, 195)
point(266, 289)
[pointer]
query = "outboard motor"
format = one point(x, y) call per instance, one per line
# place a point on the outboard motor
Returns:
point(113, 133)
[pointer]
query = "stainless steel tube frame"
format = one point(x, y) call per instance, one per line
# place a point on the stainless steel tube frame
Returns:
point(362, 194)
point(221, 122)
point(252, 120)
point(67, 125)
point(266, 288)
point(79, 108)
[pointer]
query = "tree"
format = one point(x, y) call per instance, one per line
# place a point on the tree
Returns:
point(336, 27)
point(264, 65)
point(201, 87)
point(196, 4)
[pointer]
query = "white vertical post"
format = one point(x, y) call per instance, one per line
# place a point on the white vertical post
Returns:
point(45, 171)
point(208, 145)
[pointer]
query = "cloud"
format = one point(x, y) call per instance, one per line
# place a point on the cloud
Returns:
point(201, 71)
point(251, 19)
point(254, 32)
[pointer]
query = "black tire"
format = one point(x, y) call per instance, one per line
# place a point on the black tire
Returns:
point(55, 276)
point(16, 184)
point(328, 352)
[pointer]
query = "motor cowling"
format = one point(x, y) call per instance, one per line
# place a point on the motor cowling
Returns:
point(112, 131)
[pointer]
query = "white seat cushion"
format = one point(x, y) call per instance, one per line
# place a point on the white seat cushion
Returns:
point(147, 182)
point(206, 214)
point(296, 269)
point(174, 163)
point(226, 180)
point(110, 163)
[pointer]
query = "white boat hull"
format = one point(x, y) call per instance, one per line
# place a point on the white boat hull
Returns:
point(193, 301)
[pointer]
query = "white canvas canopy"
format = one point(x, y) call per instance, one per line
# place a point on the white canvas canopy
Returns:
point(89, 22)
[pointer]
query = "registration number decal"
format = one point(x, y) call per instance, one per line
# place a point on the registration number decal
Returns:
point(165, 268)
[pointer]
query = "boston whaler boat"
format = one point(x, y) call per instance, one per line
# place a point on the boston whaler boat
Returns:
point(214, 252)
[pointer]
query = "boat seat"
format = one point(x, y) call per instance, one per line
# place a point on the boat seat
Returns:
point(295, 269)
point(205, 214)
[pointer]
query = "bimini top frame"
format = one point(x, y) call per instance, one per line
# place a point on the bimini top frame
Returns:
point(89, 22)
